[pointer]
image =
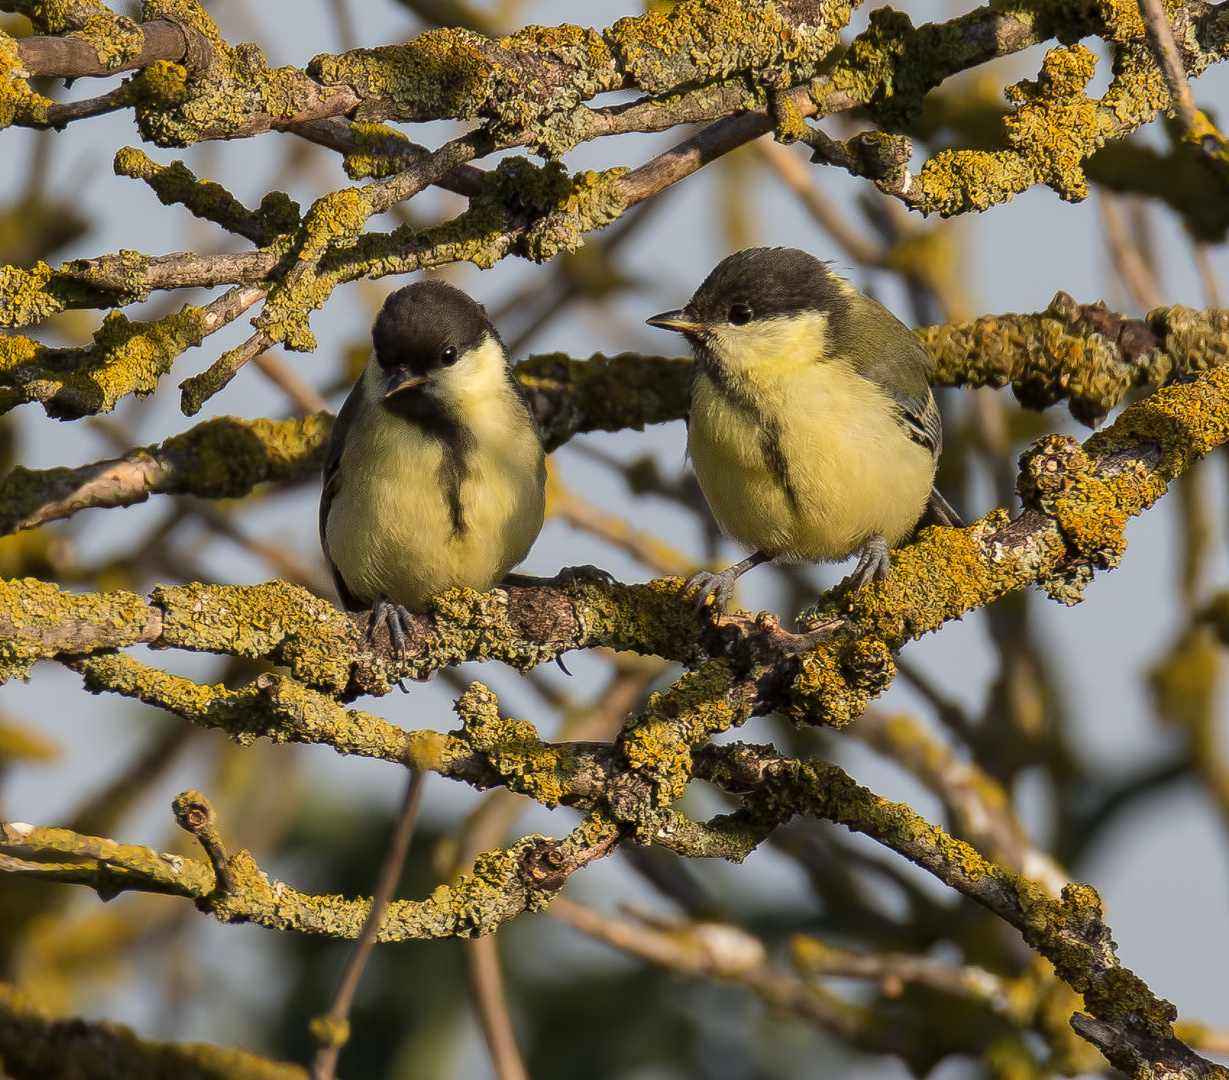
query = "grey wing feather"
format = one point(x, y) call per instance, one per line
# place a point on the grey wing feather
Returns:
point(884, 351)
point(328, 490)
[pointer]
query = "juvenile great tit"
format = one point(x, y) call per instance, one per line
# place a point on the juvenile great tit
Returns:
point(811, 425)
point(434, 474)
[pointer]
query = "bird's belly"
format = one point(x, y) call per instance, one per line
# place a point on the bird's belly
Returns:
point(834, 469)
point(391, 529)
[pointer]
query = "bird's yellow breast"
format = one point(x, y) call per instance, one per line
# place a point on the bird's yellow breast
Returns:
point(391, 530)
point(801, 457)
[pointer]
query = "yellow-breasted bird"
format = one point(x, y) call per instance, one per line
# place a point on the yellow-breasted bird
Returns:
point(811, 426)
point(434, 474)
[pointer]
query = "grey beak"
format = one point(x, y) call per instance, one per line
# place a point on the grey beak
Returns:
point(403, 380)
point(676, 321)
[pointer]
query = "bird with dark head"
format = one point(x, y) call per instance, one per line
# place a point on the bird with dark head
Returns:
point(434, 474)
point(811, 424)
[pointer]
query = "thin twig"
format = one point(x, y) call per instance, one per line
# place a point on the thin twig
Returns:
point(1207, 274)
point(200, 388)
point(491, 1002)
point(1132, 268)
point(332, 1029)
point(60, 114)
point(194, 814)
point(799, 178)
point(291, 383)
point(1161, 38)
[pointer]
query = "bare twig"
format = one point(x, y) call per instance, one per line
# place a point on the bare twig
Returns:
point(1161, 38)
point(491, 1001)
point(724, 951)
point(291, 383)
point(332, 1029)
point(1128, 260)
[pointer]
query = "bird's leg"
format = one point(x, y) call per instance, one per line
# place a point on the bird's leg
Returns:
point(721, 586)
point(398, 620)
point(873, 564)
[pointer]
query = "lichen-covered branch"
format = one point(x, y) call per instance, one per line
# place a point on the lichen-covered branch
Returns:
point(34, 1043)
point(1077, 499)
point(1134, 1028)
point(503, 884)
point(223, 458)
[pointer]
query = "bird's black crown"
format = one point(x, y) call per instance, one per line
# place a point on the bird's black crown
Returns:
point(770, 282)
point(428, 325)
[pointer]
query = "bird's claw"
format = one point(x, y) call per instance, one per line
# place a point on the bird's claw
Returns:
point(397, 618)
point(719, 586)
point(874, 564)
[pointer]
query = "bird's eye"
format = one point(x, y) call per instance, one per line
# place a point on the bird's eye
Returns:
point(741, 314)
point(448, 357)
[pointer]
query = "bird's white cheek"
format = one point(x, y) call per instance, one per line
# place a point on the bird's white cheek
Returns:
point(768, 348)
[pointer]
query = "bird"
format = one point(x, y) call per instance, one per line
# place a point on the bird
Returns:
point(434, 473)
point(811, 426)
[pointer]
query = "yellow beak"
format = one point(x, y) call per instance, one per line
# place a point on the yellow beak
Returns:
point(676, 321)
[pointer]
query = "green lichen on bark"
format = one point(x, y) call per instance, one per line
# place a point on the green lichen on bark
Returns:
point(1085, 355)
point(222, 94)
point(1054, 126)
point(209, 200)
point(533, 84)
point(114, 38)
point(530, 211)
point(39, 621)
point(126, 358)
point(35, 1043)
point(262, 621)
point(699, 41)
point(18, 103)
point(223, 458)
point(57, 16)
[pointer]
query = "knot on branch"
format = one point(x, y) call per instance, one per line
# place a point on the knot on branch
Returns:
point(838, 680)
point(544, 865)
point(1058, 478)
point(194, 813)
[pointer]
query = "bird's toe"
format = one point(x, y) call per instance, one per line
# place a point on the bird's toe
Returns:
point(397, 618)
point(874, 564)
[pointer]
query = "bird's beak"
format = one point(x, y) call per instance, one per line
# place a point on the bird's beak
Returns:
point(676, 321)
point(402, 380)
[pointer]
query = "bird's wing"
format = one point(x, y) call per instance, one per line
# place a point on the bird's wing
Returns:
point(885, 352)
point(328, 490)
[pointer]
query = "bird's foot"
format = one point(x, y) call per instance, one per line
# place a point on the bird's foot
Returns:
point(397, 618)
point(874, 564)
point(719, 586)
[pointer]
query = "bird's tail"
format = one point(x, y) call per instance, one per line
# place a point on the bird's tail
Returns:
point(939, 512)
